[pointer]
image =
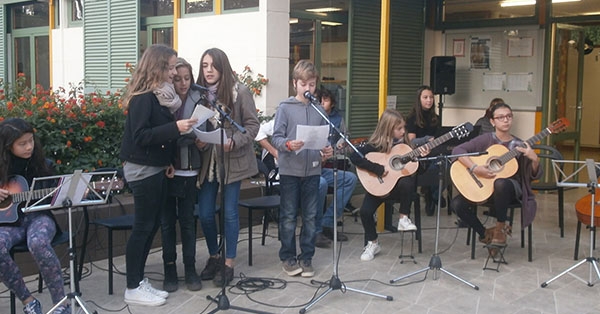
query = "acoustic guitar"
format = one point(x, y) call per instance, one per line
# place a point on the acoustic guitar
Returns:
point(583, 208)
point(18, 192)
point(401, 162)
point(499, 160)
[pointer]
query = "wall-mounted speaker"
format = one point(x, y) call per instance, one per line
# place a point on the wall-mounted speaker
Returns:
point(443, 74)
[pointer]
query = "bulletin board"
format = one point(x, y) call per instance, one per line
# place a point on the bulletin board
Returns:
point(494, 62)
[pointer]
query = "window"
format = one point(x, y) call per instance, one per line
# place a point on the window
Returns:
point(76, 10)
point(198, 6)
point(31, 15)
point(150, 8)
point(239, 4)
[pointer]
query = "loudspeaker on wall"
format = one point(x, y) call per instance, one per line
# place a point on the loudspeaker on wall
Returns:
point(443, 74)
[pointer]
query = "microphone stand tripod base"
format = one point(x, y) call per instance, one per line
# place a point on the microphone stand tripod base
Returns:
point(223, 305)
point(336, 284)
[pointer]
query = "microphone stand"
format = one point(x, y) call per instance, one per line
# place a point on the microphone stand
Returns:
point(221, 299)
point(335, 283)
point(435, 263)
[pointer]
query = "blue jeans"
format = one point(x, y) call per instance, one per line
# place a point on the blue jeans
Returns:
point(298, 195)
point(346, 181)
point(180, 207)
point(207, 208)
point(149, 199)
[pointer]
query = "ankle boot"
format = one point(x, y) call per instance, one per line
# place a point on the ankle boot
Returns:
point(500, 232)
point(489, 235)
point(192, 280)
point(170, 283)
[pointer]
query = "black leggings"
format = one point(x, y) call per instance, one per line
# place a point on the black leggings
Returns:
point(504, 194)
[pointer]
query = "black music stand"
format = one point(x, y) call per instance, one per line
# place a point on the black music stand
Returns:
point(592, 185)
point(72, 190)
point(221, 298)
point(435, 263)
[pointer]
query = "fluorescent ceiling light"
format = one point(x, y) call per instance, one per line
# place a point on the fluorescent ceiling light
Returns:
point(331, 23)
point(514, 3)
point(323, 10)
point(294, 21)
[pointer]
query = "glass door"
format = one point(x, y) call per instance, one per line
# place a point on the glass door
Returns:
point(32, 59)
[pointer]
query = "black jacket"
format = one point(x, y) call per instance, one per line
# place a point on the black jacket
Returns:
point(150, 132)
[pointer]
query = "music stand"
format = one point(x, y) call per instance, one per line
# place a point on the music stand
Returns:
point(435, 263)
point(72, 190)
point(591, 167)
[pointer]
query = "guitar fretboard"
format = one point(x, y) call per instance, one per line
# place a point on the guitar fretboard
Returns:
point(506, 157)
point(35, 194)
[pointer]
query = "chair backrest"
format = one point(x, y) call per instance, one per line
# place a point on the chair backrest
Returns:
point(269, 177)
point(546, 154)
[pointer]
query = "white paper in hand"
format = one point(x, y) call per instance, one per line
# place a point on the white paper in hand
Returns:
point(202, 114)
point(212, 137)
point(314, 137)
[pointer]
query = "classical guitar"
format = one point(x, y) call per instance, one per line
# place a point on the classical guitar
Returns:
point(584, 208)
point(401, 162)
point(498, 159)
point(18, 192)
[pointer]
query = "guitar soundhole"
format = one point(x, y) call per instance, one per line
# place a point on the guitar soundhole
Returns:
point(5, 204)
point(495, 165)
point(396, 163)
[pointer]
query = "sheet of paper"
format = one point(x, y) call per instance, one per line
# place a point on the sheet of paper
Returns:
point(202, 114)
point(212, 137)
point(314, 137)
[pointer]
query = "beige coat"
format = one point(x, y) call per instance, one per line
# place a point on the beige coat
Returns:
point(240, 163)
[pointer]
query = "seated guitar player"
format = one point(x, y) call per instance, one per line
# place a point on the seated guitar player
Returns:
point(475, 177)
point(388, 133)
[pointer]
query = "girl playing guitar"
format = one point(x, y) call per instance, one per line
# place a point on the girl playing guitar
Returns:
point(505, 190)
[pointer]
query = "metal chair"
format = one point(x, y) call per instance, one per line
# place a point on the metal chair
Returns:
point(268, 203)
point(548, 153)
point(471, 236)
point(123, 222)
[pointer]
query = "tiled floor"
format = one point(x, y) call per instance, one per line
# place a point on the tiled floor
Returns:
point(515, 288)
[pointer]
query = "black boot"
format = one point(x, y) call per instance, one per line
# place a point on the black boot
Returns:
point(170, 283)
point(192, 280)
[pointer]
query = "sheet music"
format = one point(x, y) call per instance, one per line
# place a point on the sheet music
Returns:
point(202, 114)
point(314, 137)
point(212, 137)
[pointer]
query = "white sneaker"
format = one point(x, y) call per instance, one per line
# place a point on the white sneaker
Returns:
point(370, 251)
point(147, 286)
point(140, 296)
point(405, 224)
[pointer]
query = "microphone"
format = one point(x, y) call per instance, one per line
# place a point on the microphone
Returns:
point(310, 97)
point(197, 87)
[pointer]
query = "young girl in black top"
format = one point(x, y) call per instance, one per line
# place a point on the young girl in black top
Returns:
point(389, 131)
point(422, 125)
point(22, 155)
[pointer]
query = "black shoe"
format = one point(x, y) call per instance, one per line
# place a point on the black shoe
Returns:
point(224, 276)
point(213, 265)
point(328, 232)
point(192, 280)
point(322, 241)
point(170, 283)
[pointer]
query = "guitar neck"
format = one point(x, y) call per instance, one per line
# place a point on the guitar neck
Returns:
point(534, 139)
point(35, 194)
point(430, 145)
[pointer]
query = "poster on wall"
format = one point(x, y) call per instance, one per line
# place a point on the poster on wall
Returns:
point(480, 52)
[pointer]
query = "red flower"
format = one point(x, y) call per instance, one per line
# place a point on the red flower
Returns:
point(69, 143)
point(100, 124)
point(87, 139)
point(29, 113)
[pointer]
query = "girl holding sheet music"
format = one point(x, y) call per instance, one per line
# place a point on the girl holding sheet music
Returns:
point(182, 190)
point(148, 150)
point(21, 155)
point(235, 99)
